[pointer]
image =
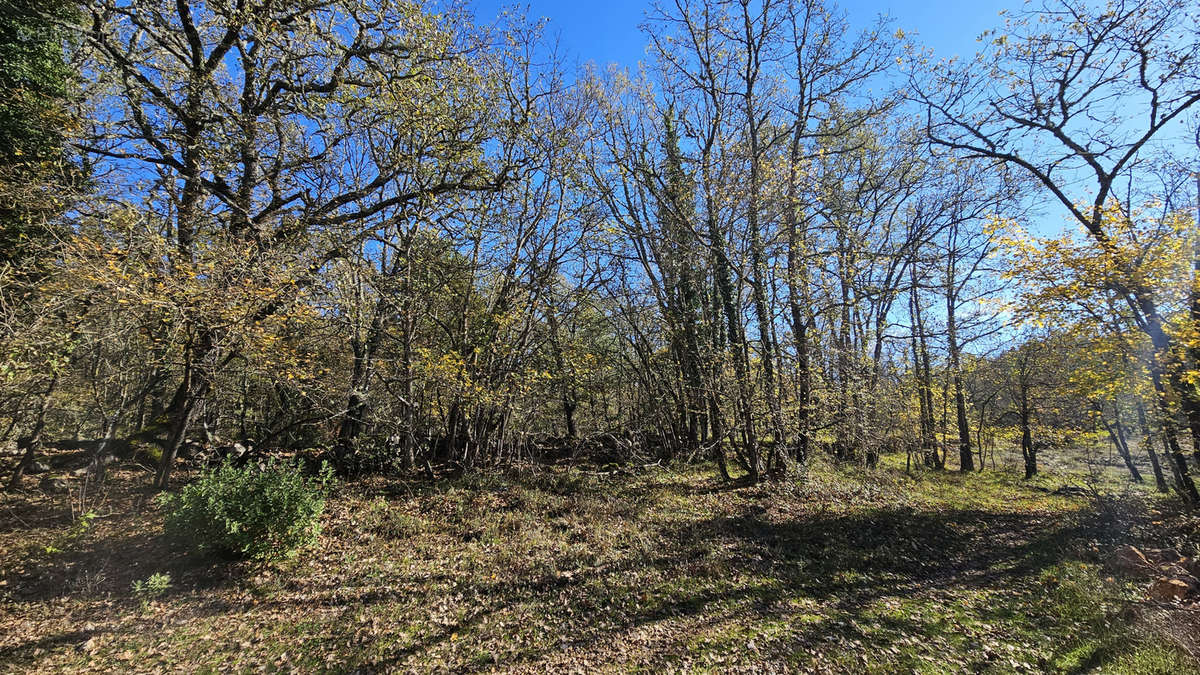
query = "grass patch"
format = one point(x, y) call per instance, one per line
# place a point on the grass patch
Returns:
point(839, 569)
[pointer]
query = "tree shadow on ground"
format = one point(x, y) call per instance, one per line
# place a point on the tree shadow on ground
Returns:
point(843, 562)
point(100, 571)
point(116, 561)
point(817, 572)
point(847, 562)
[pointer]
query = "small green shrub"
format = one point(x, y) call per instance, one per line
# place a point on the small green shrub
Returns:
point(261, 513)
point(151, 587)
point(78, 529)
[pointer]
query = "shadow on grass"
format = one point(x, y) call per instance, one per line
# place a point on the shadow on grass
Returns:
point(750, 568)
point(102, 574)
point(703, 580)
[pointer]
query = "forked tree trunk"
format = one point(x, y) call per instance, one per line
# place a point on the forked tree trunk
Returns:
point(1028, 451)
point(1184, 484)
point(966, 461)
point(32, 442)
point(1117, 435)
point(1160, 480)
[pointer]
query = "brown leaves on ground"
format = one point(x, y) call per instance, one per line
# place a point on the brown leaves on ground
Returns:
point(560, 570)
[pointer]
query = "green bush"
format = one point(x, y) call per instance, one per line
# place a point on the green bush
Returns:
point(151, 587)
point(80, 528)
point(262, 513)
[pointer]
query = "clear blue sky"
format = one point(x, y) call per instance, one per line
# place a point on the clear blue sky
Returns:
point(607, 31)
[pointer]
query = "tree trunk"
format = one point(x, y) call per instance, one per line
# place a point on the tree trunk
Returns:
point(1028, 451)
point(32, 442)
point(718, 435)
point(736, 344)
point(195, 383)
point(965, 458)
point(1167, 424)
point(1191, 397)
point(803, 392)
point(979, 434)
point(800, 337)
point(568, 407)
point(186, 403)
point(190, 396)
point(354, 417)
point(1117, 435)
point(924, 385)
point(1147, 441)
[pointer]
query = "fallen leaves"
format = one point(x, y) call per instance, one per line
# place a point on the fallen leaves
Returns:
point(655, 572)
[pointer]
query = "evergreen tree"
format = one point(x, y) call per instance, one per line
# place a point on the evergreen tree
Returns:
point(36, 82)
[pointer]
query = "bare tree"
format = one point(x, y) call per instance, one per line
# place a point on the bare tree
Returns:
point(1079, 97)
point(263, 125)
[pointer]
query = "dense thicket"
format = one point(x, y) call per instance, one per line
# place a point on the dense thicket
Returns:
point(397, 237)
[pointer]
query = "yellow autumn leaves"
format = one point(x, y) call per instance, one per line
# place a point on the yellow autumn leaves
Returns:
point(1099, 286)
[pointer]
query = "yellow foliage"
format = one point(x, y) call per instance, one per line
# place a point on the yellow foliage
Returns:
point(1078, 278)
point(1101, 286)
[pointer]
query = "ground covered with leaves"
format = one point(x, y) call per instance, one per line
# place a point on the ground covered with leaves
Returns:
point(576, 569)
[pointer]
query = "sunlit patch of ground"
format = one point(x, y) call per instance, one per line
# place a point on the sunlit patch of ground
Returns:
point(838, 570)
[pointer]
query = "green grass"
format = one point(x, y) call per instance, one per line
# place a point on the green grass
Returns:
point(841, 570)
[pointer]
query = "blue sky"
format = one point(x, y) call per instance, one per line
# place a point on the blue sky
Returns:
point(607, 31)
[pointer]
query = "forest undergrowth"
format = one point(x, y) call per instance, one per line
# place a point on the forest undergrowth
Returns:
point(564, 568)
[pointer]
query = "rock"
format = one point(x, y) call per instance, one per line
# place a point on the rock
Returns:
point(1163, 556)
point(38, 467)
point(1129, 560)
point(54, 486)
point(1174, 572)
point(1169, 590)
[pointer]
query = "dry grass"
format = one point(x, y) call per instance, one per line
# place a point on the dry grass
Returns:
point(840, 570)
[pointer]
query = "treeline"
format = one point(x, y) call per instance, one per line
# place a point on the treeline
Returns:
point(402, 237)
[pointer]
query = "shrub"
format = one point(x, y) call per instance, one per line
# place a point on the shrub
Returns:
point(255, 512)
point(152, 587)
point(80, 528)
